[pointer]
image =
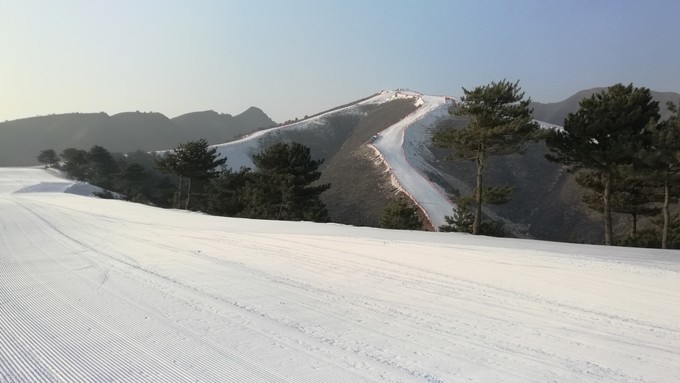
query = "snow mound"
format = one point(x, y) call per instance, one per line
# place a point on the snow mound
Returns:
point(46, 187)
point(56, 185)
point(84, 189)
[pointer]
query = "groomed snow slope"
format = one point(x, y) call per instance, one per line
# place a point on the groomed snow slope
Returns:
point(103, 290)
point(402, 147)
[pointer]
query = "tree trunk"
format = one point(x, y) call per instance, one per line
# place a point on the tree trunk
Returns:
point(634, 231)
point(666, 213)
point(186, 205)
point(478, 197)
point(608, 232)
point(179, 193)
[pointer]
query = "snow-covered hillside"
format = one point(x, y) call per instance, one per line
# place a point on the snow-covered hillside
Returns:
point(403, 147)
point(104, 290)
point(399, 146)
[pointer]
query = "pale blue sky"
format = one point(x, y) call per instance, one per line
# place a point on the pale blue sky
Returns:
point(292, 58)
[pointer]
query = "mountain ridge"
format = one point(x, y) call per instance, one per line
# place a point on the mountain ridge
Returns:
point(21, 140)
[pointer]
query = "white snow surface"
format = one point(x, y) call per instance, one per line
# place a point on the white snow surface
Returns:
point(45, 184)
point(96, 290)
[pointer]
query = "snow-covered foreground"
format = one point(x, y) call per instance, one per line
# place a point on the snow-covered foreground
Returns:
point(101, 290)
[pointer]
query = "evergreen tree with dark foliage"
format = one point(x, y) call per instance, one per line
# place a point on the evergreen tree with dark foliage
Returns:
point(500, 124)
point(283, 185)
point(154, 187)
point(633, 194)
point(606, 132)
point(132, 182)
point(192, 160)
point(75, 163)
point(662, 157)
point(399, 215)
point(101, 167)
point(462, 219)
point(48, 157)
point(652, 237)
point(226, 193)
point(132, 176)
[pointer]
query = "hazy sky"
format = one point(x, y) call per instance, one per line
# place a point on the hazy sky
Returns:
point(292, 58)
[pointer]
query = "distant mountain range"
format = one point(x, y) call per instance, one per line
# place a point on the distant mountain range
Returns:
point(21, 140)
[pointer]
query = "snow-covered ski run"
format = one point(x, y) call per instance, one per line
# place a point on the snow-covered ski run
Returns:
point(98, 290)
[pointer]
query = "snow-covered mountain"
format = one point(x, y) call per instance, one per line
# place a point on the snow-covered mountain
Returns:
point(381, 146)
point(400, 147)
point(95, 290)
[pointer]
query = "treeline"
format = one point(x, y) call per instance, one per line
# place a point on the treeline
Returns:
point(192, 177)
point(615, 144)
point(133, 176)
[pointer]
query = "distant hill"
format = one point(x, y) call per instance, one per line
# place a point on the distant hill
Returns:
point(21, 140)
point(556, 112)
point(218, 128)
point(360, 188)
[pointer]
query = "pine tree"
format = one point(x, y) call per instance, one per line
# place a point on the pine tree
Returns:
point(227, 195)
point(662, 156)
point(399, 215)
point(191, 160)
point(48, 157)
point(605, 133)
point(500, 124)
point(131, 179)
point(462, 219)
point(75, 163)
point(101, 167)
point(283, 185)
point(632, 194)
